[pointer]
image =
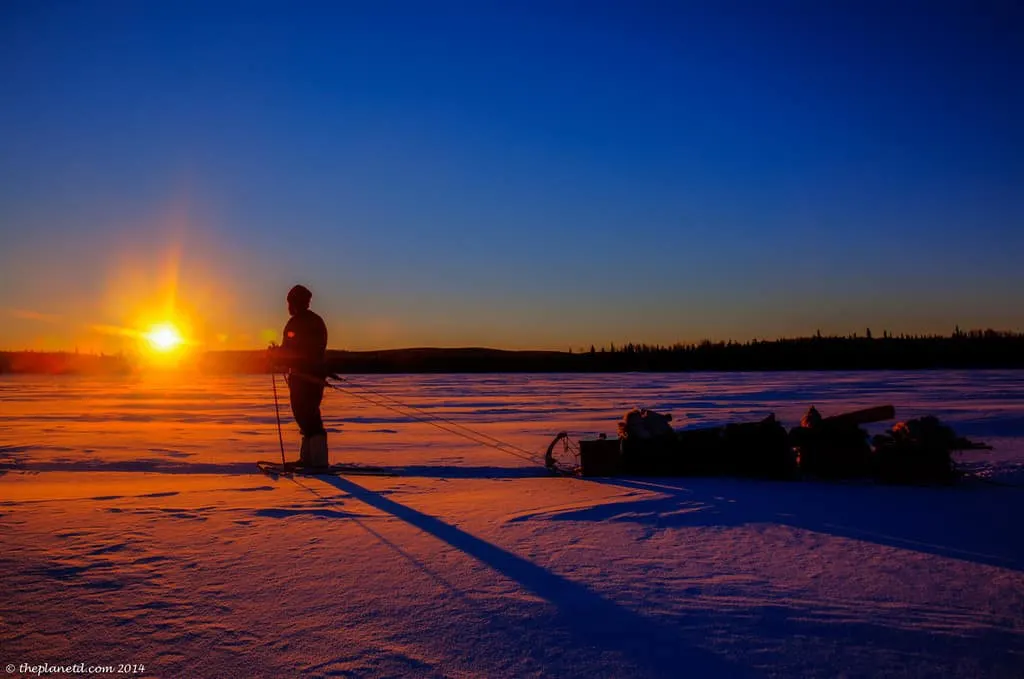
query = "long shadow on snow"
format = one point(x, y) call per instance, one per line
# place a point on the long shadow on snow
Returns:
point(970, 523)
point(172, 466)
point(649, 644)
point(156, 465)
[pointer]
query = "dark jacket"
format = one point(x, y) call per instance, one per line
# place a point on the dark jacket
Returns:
point(304, 345)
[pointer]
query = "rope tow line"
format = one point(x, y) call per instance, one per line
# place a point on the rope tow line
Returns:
point(479, 437)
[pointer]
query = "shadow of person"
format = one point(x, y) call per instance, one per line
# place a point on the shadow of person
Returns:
point(647, 645)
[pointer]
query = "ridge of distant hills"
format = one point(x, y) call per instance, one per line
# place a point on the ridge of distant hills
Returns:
point(973, 349)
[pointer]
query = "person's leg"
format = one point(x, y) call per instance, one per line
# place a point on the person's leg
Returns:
point(314, 420)
point(317, 455)
point(305, 400)
point(297, 393)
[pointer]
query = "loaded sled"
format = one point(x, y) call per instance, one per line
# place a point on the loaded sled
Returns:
point(834, 448)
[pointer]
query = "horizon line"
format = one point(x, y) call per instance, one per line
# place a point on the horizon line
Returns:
point(611, 346)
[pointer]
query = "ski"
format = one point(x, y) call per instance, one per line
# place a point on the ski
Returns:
point(277, 469)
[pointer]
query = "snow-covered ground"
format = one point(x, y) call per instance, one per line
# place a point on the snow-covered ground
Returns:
point(135, 531)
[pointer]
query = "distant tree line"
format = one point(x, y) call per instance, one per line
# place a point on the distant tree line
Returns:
point(63, 363)
point(970, 349)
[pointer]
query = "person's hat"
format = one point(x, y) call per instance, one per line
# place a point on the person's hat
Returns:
point(300, 296)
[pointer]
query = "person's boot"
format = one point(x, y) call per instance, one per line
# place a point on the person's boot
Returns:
point(303, 460)
point(316, 452)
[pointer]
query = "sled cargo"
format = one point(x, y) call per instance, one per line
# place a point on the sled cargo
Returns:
point(834, 447)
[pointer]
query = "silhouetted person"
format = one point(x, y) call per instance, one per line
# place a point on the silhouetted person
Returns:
point(302, 351)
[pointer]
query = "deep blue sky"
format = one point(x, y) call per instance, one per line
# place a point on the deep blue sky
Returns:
point(512, 174)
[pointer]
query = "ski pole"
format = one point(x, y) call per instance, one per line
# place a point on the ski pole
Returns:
point(277, 411)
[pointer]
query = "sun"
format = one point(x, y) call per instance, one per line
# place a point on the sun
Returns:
point(164, 337)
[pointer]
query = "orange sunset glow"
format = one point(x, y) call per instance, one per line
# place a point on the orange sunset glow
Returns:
point(160, 300)
point(164, 338)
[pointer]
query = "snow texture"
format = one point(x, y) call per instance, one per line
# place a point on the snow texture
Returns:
point(136, 530)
